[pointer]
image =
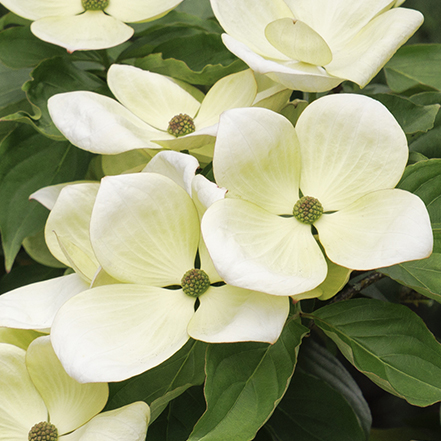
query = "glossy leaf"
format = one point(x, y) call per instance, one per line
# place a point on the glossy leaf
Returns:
point(389, 343)
point(245, 382)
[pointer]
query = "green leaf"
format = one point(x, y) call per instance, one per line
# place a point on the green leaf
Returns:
point(389, 343)
point(19, 48)
point(11, 81)
point(318, 362)
point(312, 410)
point(52, 76)
point(413, 66)
point(177, 421)
point(29, 161)
point(163, 383)
point(245, 382)
point(404, 434)
point(201, 8)
point(424, 276)
point(412, 117)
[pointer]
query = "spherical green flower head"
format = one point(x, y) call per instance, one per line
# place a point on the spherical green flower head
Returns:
point(195, 282)
point(95, 5)
point(43, 431)
point(307, 210)
point(181, 125)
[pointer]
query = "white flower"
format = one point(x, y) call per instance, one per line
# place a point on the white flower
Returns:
point(314, 45)
point(38, 394)
point(346, 153)
point(87, 24)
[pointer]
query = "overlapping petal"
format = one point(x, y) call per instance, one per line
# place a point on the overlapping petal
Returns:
point(88, 31)
point(114, 332)
point(230, 314)
point(144, 229)
point(35, 9)
point(140, 10)
point(256, 250)
point(257, 158)
point(70, 404)
point(380, 229)
point(350, 145)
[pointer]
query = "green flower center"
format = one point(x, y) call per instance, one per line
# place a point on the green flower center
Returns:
point(95, 5)
point(195, 282)
point(307, 210)
point(181, 125)
point(43, 431)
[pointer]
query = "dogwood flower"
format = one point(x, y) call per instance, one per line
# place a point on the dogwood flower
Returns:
point(34, 306)
point(314, 45)
point(145, 232)
point(38, 398)
point(87, 24)
point(153, 111)
point(335, 172)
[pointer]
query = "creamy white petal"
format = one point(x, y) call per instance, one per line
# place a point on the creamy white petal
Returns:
point(292, 74)
point(68, 227)
point(350, 145)
point(34, 306)
point(383, 228)
point(47, 196)
point(228, 314)
point(128, 423)
point(235, 90)
point(154, 98)
point(70, 404)
point(192, 141)
point(114, 332)
point(139, 10)
point(99, 124)
point(246, 21)
point(35, 9)
point(21, 406)
point(144, 229)
point(361, 58)
point(256, 250)
point(88, 31)
point(256, 157)
point(18, 337)
point(179, 167)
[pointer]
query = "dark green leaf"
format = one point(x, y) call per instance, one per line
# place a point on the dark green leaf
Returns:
point(11, 81)
point(163, 383)
point(29, 161)
point(404, 434)
point(245, 382)
point(389, 343)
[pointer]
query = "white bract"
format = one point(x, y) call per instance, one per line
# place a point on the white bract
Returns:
point(314, 45)
point(147, 103)
point(347, 152)
point(37, 391)
point(87, 24)
point(145, 232)
point(67, 236)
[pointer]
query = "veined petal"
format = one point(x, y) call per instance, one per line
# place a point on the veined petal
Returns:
point(35, 9)
point(192, 141)
point(88, 31)
point(256, 250)
point(179, 167)
point(115, 332)
point(382, 228)
point(34, 306)
point(70, 404)
point(99, 124)
point(139, 10)
point(256, 157)
point(235, 90)
point(229, 314)
point(21, 406)
point(350, 145)
point(154, 98)
point(298, 41)
point(292, 74)
point(361, 58)
point(128, 423)
point(144, 229)
point(68, 224)
point(246, 21)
